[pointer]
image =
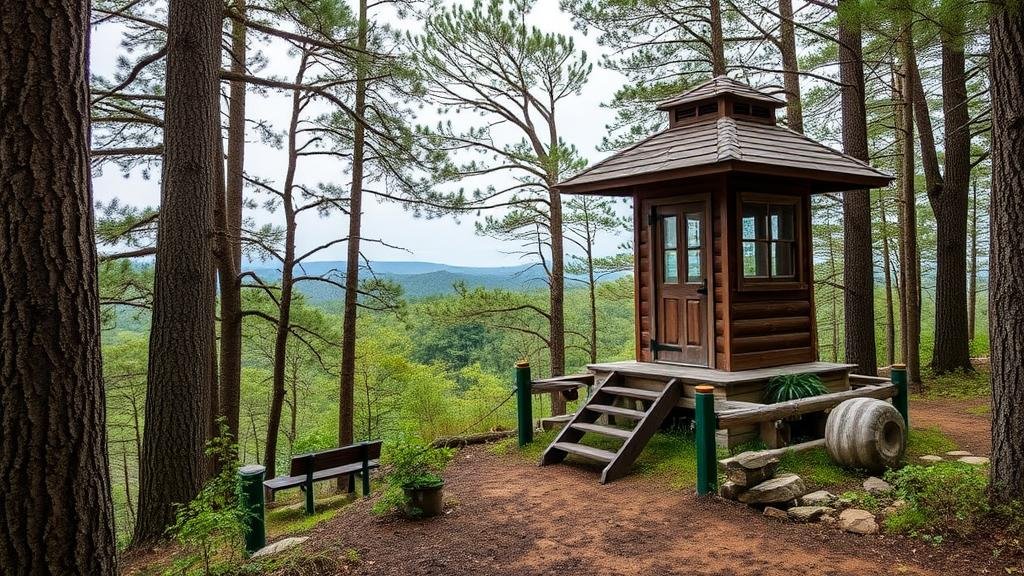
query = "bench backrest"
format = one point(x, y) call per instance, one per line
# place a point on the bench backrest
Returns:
point(315, 461)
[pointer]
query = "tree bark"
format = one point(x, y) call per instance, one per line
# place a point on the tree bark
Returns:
point(717, 40)
point(347, 388)
point(790, 67)
point(173, 465)
point(1006, 306)
point(557, 296)
point(56, 515)
point(972, 274)
point(858, 261)
point(911, 265)
point(230, 236)
point(890, 315)
point(952, 350)
point(284, 320)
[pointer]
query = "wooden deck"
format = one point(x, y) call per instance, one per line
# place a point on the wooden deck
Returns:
point(695, 375)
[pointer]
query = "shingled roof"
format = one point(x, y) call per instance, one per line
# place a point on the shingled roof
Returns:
point(718, 86)
point(724, 144)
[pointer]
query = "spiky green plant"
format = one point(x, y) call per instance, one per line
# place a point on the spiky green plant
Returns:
point(788, 387)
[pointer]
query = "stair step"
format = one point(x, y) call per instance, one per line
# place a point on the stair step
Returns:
point(585, 451)
point(603, 430)
point(639, 393)
point(616, 411)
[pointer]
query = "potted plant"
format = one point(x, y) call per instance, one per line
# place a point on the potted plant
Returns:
point(413, 482)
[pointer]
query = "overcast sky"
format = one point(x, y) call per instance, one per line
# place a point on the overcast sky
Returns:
point(581, 120)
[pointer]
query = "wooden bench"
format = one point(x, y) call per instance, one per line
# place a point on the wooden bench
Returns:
point(335, 463)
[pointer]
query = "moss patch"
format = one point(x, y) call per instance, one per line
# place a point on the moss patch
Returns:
point(957, 385)
point(818, 469)
point(292, 519)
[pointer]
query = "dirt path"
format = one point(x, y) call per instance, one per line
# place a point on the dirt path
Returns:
point(510, 517)
point(965, 420)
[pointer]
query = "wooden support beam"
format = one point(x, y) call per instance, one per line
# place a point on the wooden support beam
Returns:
point(772, 412)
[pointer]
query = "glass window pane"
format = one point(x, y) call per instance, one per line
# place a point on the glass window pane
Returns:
point(671, 267)
point(694, 266)
point(693, 232)
point(755, 218)
point(755, 259)
point(782, 218)
point(669, 233)
point(783, 259)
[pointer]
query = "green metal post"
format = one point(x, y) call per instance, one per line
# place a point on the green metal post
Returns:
point(707, 471)
point(524, 403)
point(898, 375)
point(251, 480)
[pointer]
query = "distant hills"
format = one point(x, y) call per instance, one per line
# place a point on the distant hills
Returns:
point(419, 279)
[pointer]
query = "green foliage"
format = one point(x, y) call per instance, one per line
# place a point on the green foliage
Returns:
point(213, 523)
point(409, 464)
point(788, 387)
point(958, 385)
point(946, 498)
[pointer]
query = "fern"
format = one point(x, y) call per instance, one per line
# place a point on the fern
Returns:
point(793, 387)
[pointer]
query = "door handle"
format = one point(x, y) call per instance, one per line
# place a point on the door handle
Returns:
point(703, 290)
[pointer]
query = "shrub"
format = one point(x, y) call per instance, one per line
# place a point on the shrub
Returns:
point(409, 464)
point(786, 387)
point(945, 498)
point(214, 522)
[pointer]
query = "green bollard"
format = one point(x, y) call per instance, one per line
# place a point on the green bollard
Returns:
point(901, 401)
point(524, 403)
point(706, 424)
point(250, 478)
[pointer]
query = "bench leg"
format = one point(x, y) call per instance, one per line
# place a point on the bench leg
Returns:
point(309, 498)
point(352, 483)
point(366, 483)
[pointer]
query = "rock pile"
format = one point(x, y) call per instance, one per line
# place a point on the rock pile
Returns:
point(752, 479)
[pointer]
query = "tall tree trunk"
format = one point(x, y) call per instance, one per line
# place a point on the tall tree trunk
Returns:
point(890, 316)
point(790, 67)
point(557, 298)
point(972, 275)
point(592, 294)
point(346, 400)
point(912, 259)
point(230, 236)
point(173, 466)
point(1007, 286)
point(952, 350)
point(900, 134)
point(858, 257)
point(56, 515)
point(717, 40)
point(278, 389)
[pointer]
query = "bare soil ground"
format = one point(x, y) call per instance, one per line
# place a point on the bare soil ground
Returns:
point(966, 420)
point(507, 516)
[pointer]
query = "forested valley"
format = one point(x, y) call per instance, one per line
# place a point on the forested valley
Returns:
point(271, 129)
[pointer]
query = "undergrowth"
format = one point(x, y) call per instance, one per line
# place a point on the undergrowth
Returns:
point(959, 384)
point(946, 498)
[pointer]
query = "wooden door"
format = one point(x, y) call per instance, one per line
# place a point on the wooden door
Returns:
point(680, 258)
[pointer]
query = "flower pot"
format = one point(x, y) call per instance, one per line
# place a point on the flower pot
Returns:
point(425, 501)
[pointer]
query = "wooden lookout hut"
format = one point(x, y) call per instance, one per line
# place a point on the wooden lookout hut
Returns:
point(723, 255)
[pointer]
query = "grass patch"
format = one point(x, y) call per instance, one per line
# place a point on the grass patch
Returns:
point(957, 385)
point(942, 499)
point(980, 410)
point(928, 441)
point(818, 469)
point(292, 519)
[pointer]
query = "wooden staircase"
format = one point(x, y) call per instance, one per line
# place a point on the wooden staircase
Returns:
point(603, 402)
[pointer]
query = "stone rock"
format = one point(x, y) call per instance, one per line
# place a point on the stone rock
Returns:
point(750, 468)
point(279, 546)
point(819, 498)
point(877, 486)
point(828, 520)
point(858, 521)
point(730, 490)
point(958, 453)
point(775, 491)
point(773, 512)
point(893, 508)
point(931, 458)
point(973, 460)
point(808, 513)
